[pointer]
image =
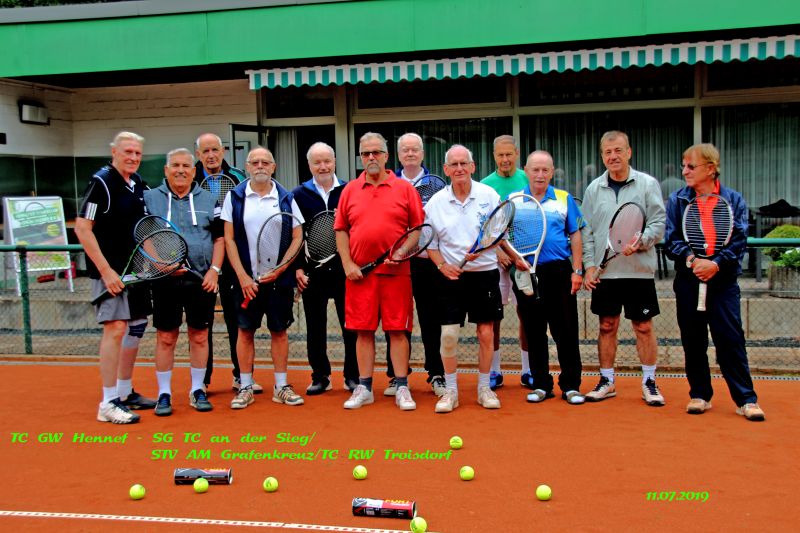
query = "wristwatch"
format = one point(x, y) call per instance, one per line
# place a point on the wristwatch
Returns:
point(216, 269)
point(689, 261)
point(579, 271)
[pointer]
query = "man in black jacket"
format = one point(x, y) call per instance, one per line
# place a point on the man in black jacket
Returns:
point(319, 283)
point(211, 160)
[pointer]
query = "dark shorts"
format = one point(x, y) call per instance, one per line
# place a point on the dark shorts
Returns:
point(174, 296)
point(637, 296)
point(274, 301)
point(475, 295)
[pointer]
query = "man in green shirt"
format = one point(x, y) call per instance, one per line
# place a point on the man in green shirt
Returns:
point(505, 180)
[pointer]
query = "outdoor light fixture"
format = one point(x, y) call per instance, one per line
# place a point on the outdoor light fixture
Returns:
point(31, 112)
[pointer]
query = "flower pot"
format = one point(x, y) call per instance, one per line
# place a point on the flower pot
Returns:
point(784, 282)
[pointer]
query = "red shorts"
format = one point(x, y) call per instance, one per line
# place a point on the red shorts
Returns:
point(379, 298)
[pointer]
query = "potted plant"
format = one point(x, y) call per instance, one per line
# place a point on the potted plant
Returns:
point(784, 272)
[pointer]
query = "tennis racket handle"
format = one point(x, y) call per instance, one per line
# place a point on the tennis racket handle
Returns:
point(369, 267)
point(246, 302)
point(105, 295)
point(702, 289)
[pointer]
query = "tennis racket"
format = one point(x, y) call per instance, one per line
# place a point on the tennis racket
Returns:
point(152, 223)
point(320, 242)
point(275, 235)
point(155, 256)
point(219, 185)
point(626, 228)
point(707, 228)
point(527, 232)
point(493, 230)
point(410, 244)
point(427, 186)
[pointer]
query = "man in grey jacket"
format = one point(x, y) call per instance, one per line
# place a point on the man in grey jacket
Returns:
point(627, 281)
point(191, 210)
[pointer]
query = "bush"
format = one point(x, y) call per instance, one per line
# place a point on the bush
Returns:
point(790, 258)
point(786, 231)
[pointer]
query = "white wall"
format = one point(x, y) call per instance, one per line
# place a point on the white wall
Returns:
point(29, 139)
point(168, 116)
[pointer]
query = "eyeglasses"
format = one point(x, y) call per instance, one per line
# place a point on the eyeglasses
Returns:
point(373, 153)
point(260, 163)
point(691, 167)
point(458, 164)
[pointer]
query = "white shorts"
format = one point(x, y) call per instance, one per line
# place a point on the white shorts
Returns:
point(507, 295)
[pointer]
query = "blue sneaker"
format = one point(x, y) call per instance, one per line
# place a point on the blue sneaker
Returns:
point(526, 380)
point(495, 380)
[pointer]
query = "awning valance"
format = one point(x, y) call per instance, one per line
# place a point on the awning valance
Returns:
point(513, 64)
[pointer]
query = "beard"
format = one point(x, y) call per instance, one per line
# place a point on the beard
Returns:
point(260, 177)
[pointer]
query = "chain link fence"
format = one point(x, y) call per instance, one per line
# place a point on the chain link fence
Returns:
point(46, 315)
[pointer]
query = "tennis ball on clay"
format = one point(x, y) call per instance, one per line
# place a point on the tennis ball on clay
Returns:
point(466, 473)
point(270, 484)
point(200, 485)
point(137, 492)
point(419, 525)
point(456, 443)
point(544, 493)
point(360, 472)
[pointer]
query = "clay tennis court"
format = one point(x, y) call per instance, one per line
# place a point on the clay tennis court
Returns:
point(601, 460)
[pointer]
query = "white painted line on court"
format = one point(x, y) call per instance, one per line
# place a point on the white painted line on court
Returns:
point(196, 521)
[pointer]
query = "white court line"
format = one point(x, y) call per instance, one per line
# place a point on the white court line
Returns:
point(197, 521)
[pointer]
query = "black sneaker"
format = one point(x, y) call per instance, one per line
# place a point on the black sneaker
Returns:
point(164, 405)
point(199, 400)
point(318, 386)
point(136, 401)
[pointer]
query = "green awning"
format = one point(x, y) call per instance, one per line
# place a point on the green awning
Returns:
point(513, 64)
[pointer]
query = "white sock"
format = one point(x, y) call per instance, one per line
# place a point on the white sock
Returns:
point(523, 356)
point(246, 379)
point(109, 393)
point(648, 371)
point(483, 380)
point(496, 361)
point(198, 374)
point(451, 381)
point(607, 373)
point(164, 382)
point(280, 380)
point(124, 387)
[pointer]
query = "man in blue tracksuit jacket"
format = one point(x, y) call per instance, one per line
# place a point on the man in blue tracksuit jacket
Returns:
point(701, 169)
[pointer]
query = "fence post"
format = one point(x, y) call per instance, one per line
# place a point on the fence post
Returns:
point(26, 300)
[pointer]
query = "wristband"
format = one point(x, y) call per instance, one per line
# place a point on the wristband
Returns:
point(216, 269)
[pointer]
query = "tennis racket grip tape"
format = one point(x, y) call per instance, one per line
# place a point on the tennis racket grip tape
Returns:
point(384, 508)
point(702, 290)
point(214, 476)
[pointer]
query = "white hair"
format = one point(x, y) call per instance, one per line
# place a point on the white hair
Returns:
point(318, 145)
point(409, 136)
point(126, 136)
point(180, 151)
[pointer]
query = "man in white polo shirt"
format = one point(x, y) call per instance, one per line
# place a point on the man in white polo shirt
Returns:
point(456, 214)
point(246, 209)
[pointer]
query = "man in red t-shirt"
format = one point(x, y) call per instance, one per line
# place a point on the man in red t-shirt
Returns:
point(374, 210)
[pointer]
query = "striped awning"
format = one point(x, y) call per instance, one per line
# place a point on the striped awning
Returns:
point(513, 64)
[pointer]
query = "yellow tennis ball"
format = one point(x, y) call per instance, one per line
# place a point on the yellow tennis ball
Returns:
point(270, 484)
point(544, 493)
point(456, 443)
point(466, 473)
point(360, 472)
point(200, 485)
point(419, 525)
point(137, 492)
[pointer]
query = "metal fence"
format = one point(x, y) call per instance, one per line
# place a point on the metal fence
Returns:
point(46, 315)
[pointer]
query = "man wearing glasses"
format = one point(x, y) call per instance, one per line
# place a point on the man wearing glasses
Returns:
point(246, 209)
point(375, 209)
